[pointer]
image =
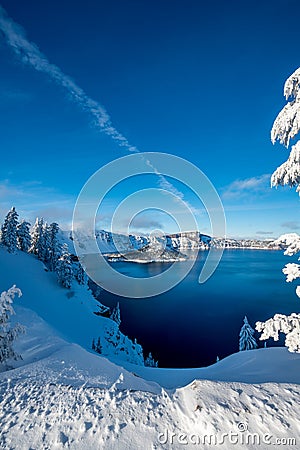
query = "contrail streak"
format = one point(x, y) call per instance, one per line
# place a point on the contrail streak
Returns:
point(30, 55)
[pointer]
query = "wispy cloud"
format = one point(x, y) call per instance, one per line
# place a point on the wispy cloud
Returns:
point(240, 188)
point(291, 225)
point(29, 200)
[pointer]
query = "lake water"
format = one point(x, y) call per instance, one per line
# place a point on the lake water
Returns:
point(192, 324)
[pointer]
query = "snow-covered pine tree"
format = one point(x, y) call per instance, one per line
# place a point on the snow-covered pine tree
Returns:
point(55, 248)
point(37, 238)
point(79, 274)
point(247, 340)
point(45, 243)
point(8, 334)
point(286, 126)
point(64, 268)
point(9, 230)
point(116, 315)
point(150, 362)
point(23, 236)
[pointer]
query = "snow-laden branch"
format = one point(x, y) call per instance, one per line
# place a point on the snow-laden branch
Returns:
point(289, 325)
point(8, 334)
point(292, 271)
point(287, 123)
point(292, 84)
point(288, 174)
point(291, 241)
point(6, 300)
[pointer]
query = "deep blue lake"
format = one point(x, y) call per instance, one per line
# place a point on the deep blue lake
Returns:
point(192, 324)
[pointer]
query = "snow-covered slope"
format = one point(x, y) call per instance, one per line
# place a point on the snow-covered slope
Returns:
point(61, 396)
point(69, 311)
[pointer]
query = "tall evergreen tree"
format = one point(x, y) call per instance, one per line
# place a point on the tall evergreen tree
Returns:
point(45, 243)
point(64, 268)
point(247, 340)
point(37, 238)
point(55, 248)
point(9, 230)
point(23, 236)
point(286, 127)
point(80, 274)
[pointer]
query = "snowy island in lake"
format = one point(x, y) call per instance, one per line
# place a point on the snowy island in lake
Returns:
point(144, 257)
point(154, 251)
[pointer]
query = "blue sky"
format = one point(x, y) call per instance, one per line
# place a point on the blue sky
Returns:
point(200, 80)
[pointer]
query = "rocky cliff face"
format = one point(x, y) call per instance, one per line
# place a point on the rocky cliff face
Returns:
point(180, 241)
point(191, 240)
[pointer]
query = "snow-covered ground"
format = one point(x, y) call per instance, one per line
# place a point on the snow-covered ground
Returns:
point(61, 396)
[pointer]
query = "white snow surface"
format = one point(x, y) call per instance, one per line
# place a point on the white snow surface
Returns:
point(61, 396)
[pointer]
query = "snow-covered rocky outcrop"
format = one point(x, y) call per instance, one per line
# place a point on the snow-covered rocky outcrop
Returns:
point(114, 242)
point(266, 244)
point(182, 242)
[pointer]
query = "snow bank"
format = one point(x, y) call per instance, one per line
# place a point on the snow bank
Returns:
point(62, 396)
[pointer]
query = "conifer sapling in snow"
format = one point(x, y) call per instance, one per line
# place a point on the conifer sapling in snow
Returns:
point(64, 268)
point(247, 340)
point(116, 315)
point(23, 236)
point(8, 334)
point(9, 231)
point(150, 362)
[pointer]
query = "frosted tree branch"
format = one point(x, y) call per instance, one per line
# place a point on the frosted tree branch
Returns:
point(289, 325)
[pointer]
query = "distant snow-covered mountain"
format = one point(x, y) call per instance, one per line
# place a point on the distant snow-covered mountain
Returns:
point(266, 244)
point(109, 242)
